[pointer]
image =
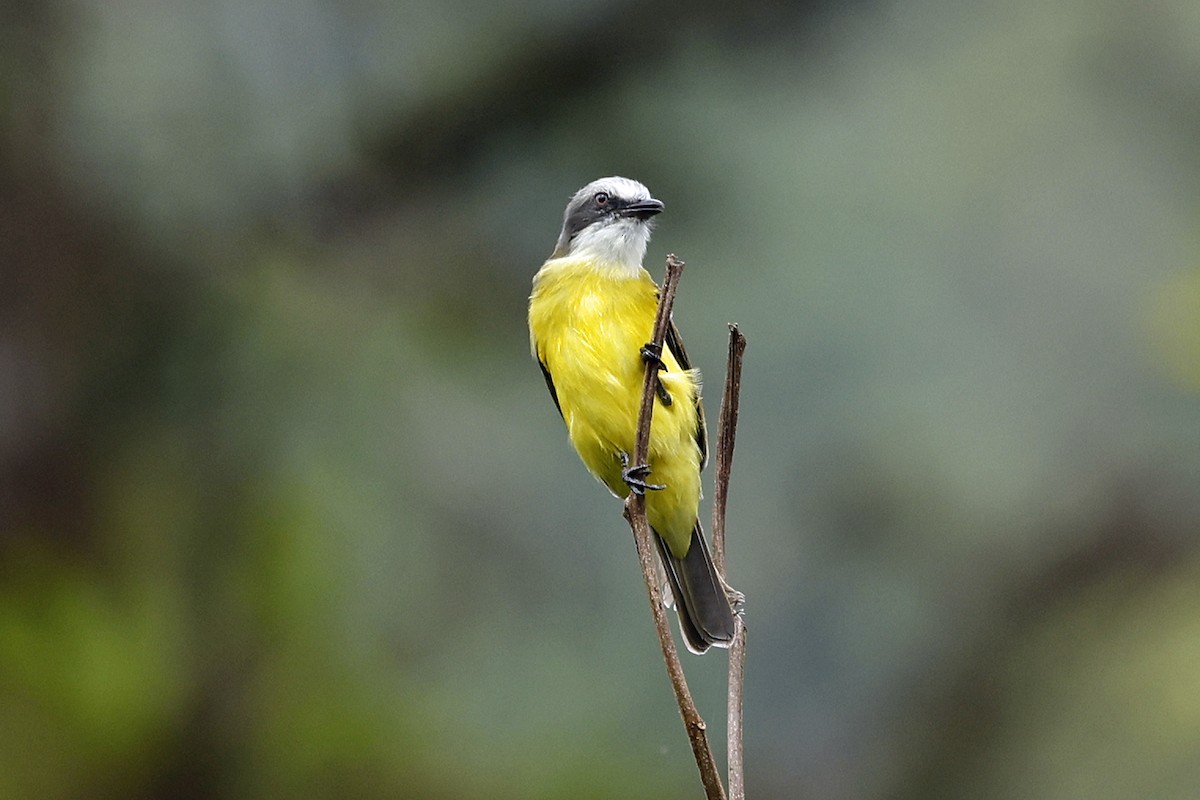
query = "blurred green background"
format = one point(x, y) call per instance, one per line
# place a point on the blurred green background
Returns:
point(286, 511)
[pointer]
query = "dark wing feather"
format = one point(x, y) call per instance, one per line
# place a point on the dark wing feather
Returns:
point(550, 386)
point(674, 343)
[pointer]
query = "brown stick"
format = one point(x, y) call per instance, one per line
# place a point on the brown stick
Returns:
point(726, 437)
point(733, 711)
point(635, 512)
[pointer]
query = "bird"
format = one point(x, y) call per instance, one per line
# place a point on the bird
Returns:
point(591, 314)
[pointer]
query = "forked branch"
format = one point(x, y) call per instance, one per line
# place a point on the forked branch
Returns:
point(635, 513)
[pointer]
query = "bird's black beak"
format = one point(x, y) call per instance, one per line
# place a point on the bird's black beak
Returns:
point(643, 209)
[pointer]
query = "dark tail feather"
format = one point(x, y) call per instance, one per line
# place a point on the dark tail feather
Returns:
point(705, 618)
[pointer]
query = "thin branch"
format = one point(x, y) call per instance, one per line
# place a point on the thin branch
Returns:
point(726, 437)
point(635, 512)
point(733, 711)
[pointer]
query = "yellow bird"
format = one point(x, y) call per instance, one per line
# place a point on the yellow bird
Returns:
point(590, 320)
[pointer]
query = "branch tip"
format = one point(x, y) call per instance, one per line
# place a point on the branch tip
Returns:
point(635, 513)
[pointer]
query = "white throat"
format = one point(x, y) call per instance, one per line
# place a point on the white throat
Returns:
point(619, 244)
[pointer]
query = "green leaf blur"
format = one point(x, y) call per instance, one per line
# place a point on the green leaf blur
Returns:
point(286, 511)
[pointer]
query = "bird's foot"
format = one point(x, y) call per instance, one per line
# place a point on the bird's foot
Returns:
point(652, 354)
point(737, 601)
point(635, 477)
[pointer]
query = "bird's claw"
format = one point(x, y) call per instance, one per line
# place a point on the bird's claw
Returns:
point(635, 477)
point(652, 354)
point(737, 601)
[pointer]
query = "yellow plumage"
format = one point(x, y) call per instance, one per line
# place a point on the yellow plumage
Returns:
point(591, 313)
point(588, 320)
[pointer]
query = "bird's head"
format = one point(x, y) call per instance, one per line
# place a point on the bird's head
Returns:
point(609, 220)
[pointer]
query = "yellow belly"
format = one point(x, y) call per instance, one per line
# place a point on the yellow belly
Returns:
point(587, 325)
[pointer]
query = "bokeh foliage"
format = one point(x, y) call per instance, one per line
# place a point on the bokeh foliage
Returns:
point(285, 511)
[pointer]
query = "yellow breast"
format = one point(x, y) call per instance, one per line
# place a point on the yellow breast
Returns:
point(587, 325)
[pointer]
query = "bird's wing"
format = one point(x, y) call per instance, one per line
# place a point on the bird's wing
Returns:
point(674, 343)
point(550, 386)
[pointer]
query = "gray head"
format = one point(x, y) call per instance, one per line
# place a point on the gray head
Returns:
point(608, 220)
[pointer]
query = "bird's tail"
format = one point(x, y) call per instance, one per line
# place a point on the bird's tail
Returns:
point(705, 618)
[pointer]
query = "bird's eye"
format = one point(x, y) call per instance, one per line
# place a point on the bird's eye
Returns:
point(601, 199)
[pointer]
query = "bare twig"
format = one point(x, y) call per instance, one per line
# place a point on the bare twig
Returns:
point(726, 437)
point(635, 512)
point(733, 711)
